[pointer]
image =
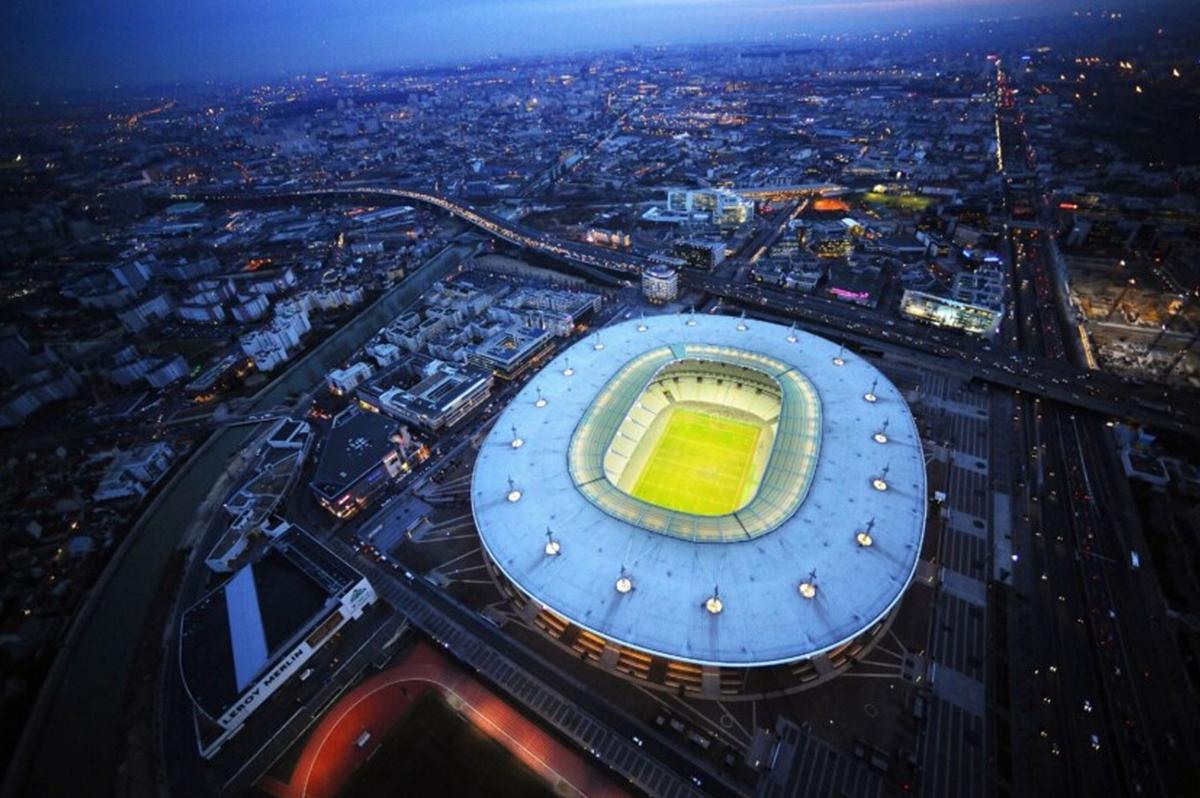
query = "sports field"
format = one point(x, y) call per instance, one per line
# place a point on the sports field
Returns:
point(701, 464)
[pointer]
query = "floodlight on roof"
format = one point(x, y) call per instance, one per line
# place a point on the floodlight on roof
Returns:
point(870, 395)
point(880, 482)
point(713, 603)
point(624, 583)
point(808, 588)
point(863, 537)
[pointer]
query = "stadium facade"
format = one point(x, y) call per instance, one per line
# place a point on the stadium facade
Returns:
point(707, 504)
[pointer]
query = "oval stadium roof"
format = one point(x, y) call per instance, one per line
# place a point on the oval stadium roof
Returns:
point(763, 618)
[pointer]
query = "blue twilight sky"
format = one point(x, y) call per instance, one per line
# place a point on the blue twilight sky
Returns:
point(62, 44)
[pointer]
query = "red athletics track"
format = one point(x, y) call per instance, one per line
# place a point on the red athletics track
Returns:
point(330, 756)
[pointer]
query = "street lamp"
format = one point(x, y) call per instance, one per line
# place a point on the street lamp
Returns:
point(624, 583)
point(553, 547)
point(517, 441)
point(514, 495)
point(881, 436)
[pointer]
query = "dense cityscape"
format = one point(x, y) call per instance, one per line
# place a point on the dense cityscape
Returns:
point(812, 416)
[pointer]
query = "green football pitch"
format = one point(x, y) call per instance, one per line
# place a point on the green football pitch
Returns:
point(701, 464)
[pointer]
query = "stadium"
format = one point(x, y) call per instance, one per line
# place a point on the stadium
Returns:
point(707, 504)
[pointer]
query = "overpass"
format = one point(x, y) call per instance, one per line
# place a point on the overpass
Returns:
point(795, 191)
point(487, 221)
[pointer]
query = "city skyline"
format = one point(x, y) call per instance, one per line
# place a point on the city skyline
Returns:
point(101, 46)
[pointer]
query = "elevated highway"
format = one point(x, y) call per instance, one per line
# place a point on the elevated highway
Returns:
point(487, 221)
point(1052, 379)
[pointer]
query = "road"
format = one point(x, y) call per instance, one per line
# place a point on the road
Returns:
point(482, 646)
point(1022, 371)
point(1054, 379)
point(487, 221)
point(1097, 643)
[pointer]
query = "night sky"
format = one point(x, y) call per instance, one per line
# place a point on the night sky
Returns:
point(49, 45)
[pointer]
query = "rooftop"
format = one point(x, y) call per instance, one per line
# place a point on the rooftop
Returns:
point(357, 443)
point(236, 631)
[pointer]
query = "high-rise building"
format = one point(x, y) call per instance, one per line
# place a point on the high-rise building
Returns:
point(660, 284)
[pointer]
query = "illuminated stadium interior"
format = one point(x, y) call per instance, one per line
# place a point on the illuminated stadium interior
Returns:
point(705, 503)
point(701, 442)
point(697, 438)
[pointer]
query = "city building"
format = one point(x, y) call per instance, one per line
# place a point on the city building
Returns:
point(268, 478)
point(703, 255)
point(660, 284)
point(723, 208)
point(384, 354)
point(550, 309)
point(983, 287)
point(146, 313)
point(132, 473)
point(945, 312)
point(511, 350)
point(29, 392)
point(166, 370)
point(800, 273)
point(362, 454)
point(251, 635)
point(428, 393)
point(782, 559)
point(273, 344)
point(857, 284)
point(223, 375)
point(343, 381)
